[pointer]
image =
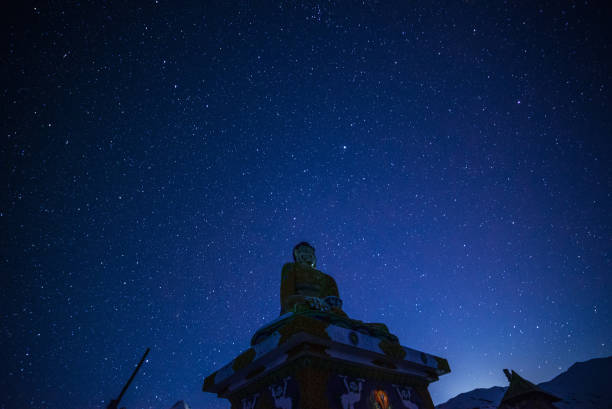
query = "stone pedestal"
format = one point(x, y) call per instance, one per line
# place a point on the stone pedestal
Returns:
point(305, 361)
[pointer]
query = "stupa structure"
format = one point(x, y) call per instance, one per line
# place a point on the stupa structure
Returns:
point(522, 394)
point(313, 356)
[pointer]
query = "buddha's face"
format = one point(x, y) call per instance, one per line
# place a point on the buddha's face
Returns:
point(305, 255)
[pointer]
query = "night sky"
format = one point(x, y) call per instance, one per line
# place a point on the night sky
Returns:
point(451, 162)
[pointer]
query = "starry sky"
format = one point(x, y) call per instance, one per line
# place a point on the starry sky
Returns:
point(451, 162)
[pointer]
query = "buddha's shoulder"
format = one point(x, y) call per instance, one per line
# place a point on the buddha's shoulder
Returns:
point(296, 268)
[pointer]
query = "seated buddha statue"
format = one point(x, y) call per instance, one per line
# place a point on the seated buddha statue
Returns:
point(306, 291)
point(304, 288)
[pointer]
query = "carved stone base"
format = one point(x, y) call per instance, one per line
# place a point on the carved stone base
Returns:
point(330, 368)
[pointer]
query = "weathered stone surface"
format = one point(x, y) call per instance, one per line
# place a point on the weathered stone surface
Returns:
point(242, 360)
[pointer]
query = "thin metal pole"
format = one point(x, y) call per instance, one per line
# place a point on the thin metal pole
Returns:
point(133, 375)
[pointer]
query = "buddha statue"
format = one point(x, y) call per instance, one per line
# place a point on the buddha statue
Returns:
point(304, 288)
point(308, 292)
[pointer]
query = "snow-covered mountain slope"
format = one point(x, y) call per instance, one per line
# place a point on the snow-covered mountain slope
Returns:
point(585, 385)
point(477, 398)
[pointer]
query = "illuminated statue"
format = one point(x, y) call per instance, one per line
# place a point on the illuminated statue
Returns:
point(308, 291)
point(313, 355)
point(303, 287)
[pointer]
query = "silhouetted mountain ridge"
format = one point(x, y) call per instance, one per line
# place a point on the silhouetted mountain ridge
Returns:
point(585, 385)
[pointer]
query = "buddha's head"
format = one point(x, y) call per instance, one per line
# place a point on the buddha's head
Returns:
point(304, 253)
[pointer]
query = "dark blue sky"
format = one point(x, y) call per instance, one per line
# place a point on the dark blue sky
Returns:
point(450, 162)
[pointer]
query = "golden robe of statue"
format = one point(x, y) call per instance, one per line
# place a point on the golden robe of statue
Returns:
point(308, 291)
point(306, 288)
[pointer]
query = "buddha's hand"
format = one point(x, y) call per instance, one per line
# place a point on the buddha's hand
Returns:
point(316, 303)
point(333, 302)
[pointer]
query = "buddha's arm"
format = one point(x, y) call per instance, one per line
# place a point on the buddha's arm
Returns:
point(287, 287)
point(332, 290)
point(330, 287)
